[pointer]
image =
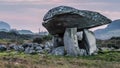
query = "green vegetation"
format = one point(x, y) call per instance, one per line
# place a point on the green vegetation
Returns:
point(42, 39)
point(21, 60)
point(13, 41)
point(12, 37)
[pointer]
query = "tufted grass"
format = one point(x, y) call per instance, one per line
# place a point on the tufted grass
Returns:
point(20, 60)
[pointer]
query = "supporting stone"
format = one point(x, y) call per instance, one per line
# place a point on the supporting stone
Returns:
point(89, 42)
point(71, 42)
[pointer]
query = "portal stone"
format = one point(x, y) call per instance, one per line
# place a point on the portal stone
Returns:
point(71, 42)
point(89, 42)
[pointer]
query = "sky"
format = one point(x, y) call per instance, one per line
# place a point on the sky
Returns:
point(28, 14)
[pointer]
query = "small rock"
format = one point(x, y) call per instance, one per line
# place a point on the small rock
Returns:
point(29, 51)
point(83, 52)
point(40, 51)
point(48, 50)
point(38, 48)
point(48, 45)
point(3, 48)
point(58, 51)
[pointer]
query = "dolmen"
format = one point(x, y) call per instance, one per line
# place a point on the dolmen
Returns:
point(65, 22)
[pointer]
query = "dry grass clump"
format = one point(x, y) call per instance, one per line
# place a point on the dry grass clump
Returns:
point(21, 60)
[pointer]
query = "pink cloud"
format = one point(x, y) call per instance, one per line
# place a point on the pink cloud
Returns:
point(25, 20)
point(31, 17)
point(111, 14)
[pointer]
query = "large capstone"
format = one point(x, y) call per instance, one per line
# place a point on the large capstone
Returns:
point(59, 18)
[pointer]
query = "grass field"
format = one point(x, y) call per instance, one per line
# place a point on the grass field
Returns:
point(21, 60)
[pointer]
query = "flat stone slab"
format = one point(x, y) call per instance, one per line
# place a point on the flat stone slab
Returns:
point(59, 18)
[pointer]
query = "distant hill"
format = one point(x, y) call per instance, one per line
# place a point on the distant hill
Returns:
point(25, 32)
point(112, 30)
point(4, 26)
point(14, 36)
point(114, 25)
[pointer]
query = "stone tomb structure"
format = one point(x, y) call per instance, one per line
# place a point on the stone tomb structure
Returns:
point(65, 22)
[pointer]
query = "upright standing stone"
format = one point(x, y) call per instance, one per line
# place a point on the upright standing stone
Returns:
point(89, 41)
point(71, 42)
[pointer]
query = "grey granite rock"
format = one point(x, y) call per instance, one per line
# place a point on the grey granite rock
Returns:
point(59, 18)
point(28, 50)
point(89, 42)
point(58, 51)
point(38, 48)
point(49, 44)
point(71, 42)
point(3, 48)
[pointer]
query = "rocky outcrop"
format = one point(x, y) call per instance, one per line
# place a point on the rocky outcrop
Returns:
point(29, 48)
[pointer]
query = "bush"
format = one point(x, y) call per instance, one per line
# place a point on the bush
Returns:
point(47, 37)
point(38, 40)
point(42, 39)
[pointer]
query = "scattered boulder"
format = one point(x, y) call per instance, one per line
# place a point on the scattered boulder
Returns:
point(38, 48)
point(29, 50)
point(18, 48)
point(48, 44)
point(3, 48)
point(21, 49)
point(11, 46)
point(58, 51)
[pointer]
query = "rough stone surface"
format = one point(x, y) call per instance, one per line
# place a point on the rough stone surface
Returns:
point(3, 47)
point(18, 48)
point(28, 50)
point(83, 52)
point(71, 42)
point(49, 44)
point(57, 41)
point(59, 18)
point(58, 51)
point(89, 42)
point(80, 35)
